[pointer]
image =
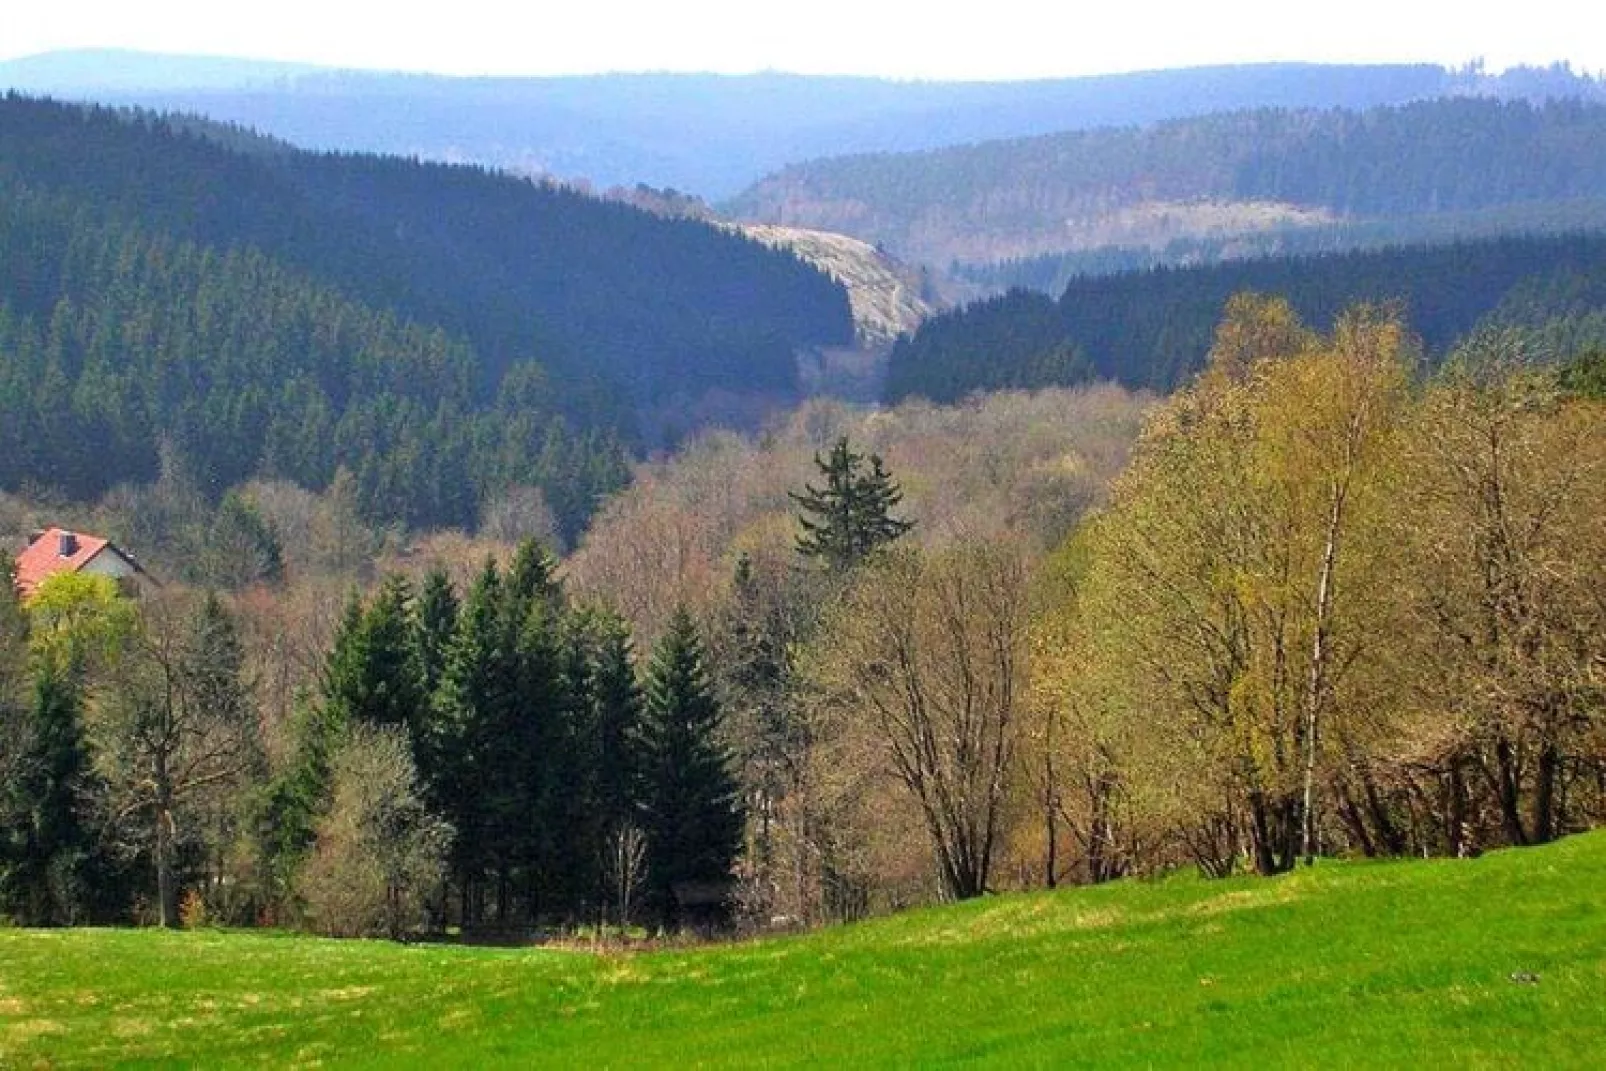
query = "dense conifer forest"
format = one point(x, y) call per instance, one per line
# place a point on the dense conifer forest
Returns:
point(1220, 174)
point(440, 332)
point(1154, 328)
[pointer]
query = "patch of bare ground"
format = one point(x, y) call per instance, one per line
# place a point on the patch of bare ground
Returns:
point(885, 294)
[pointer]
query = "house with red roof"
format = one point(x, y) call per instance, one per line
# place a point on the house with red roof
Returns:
point(57, 550)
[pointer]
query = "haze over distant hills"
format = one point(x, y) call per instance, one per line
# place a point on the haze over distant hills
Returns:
point(114, 70)
point(710, 135)
point(1211, 187)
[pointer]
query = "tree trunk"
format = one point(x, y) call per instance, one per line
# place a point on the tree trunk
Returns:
point(1051, 860)
point(1456, 824)
point(1508, 786)
point(1274, 832)
point(1103, 864)
point(1349, 812)
point(1050, 808)
point(1545, 778)
point(1316, 683)
point(1382, 822)
point(166, 879)
point(1260, 835)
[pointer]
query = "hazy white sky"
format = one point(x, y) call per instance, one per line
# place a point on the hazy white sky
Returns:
point(893, 38)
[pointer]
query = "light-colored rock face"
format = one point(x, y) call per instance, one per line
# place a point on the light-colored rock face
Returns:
point(885, 295)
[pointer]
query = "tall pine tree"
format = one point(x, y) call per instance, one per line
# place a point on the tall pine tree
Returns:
point(374, 674)
point(844, 521)
point(690, 809)
point(437, 621)
point(475, 689)
point(528, 780)
point(45, 844)
point(617, 701)
point(54, 870)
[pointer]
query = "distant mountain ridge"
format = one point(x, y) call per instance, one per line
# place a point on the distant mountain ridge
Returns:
point(1220, 176)
point(125, 70)
point(711, 135)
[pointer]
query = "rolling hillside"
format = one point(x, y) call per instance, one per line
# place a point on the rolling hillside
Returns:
point(1154, 328)
point(436, 331)
point(1226, 179)
point(1485, 962)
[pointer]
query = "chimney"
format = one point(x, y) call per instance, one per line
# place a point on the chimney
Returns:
point(67, 545)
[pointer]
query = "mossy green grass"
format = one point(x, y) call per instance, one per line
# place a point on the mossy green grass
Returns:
point(1497, 961)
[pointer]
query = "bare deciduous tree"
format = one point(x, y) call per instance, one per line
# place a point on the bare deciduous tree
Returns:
point(518, 513)
point(624, 868)
point(174, 720)
point(926, 656)
point(1504, 573)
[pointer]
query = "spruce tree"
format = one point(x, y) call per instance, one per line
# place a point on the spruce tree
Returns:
point(844, 521)
point(45, 844)
point(1584, 376)
point(435, 627)
point(213, 663)
point(374, 673)
point(689, 798)
point(573, 765)
point(605, 728)
point(241, 548)
point(532, 577)
point(617, 701)
point(476, 687)
point(437, 621)
point(528, 781)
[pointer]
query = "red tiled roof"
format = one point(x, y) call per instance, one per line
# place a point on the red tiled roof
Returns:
point(43, 557)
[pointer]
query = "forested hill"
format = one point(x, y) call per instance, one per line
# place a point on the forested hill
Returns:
point(708, 134)
point(1053, 272)
point(273, 311)
point(524, 270)
point(1221, 175)
point(1154, 328)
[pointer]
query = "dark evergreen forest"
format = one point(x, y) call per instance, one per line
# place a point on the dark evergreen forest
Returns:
point(987, 201)
point(1153, 328)
point(439, 331)
point(1428, 156)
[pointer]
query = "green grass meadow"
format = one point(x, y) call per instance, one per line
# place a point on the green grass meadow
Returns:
point(1497, 961)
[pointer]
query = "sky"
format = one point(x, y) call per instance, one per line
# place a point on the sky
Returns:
point(993, 39)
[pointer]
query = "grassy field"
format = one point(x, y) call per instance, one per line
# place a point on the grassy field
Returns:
point(1495, 961)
